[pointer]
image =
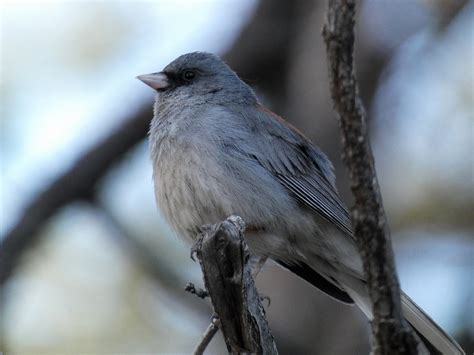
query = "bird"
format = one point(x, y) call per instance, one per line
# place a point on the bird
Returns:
point(217, 151)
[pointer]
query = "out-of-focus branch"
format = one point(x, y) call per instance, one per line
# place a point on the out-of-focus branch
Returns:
point(145, 257)
point(223, 256)
point(79, 182)
point(391, 334)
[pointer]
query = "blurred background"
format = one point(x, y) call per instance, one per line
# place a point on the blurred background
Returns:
point(88, 265)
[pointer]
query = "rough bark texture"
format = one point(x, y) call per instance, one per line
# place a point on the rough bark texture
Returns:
point(391, 334)
point(223, 255)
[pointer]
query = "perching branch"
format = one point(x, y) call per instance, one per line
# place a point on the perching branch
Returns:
point(391, 334)
point(223, 256)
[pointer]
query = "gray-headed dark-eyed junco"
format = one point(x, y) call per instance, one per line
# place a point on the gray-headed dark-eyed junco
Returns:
point(217, 151)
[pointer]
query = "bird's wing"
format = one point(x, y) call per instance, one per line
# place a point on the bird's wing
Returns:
point(300, 167)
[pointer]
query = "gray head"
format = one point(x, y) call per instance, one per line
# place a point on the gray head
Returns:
point(200, 76)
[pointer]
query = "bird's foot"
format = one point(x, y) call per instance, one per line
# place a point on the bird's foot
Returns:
point(196, 248)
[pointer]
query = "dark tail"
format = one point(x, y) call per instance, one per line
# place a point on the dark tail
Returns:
point(435, 339)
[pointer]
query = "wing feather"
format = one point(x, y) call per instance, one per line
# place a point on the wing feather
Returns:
point(301, 168)
point(298, 165)
point(321, 201)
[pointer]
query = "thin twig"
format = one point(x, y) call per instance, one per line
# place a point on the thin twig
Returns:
point(201, 293)
point(207, 336)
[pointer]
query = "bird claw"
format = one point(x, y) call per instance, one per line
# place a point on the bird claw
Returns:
point(205, 228)
point(196, 248)
point(194, 252)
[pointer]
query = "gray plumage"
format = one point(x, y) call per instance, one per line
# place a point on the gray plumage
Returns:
point(217, 151)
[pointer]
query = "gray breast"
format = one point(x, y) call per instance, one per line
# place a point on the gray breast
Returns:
point(187, 182)
point(198, 181)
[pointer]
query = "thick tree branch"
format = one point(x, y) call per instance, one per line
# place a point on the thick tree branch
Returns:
point(391, 334)
point(223, 256)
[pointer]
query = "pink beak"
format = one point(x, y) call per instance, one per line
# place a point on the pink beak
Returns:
point(157, 81)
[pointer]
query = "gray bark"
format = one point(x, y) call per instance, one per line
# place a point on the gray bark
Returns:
point(391, 333)
point(223, 256)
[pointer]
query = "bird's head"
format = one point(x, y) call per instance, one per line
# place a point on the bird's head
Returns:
point(199, 76)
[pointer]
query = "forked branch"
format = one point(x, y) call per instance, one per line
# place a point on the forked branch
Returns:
point(223, 256)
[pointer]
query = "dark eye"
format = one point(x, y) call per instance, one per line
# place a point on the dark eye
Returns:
point(189, 75)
